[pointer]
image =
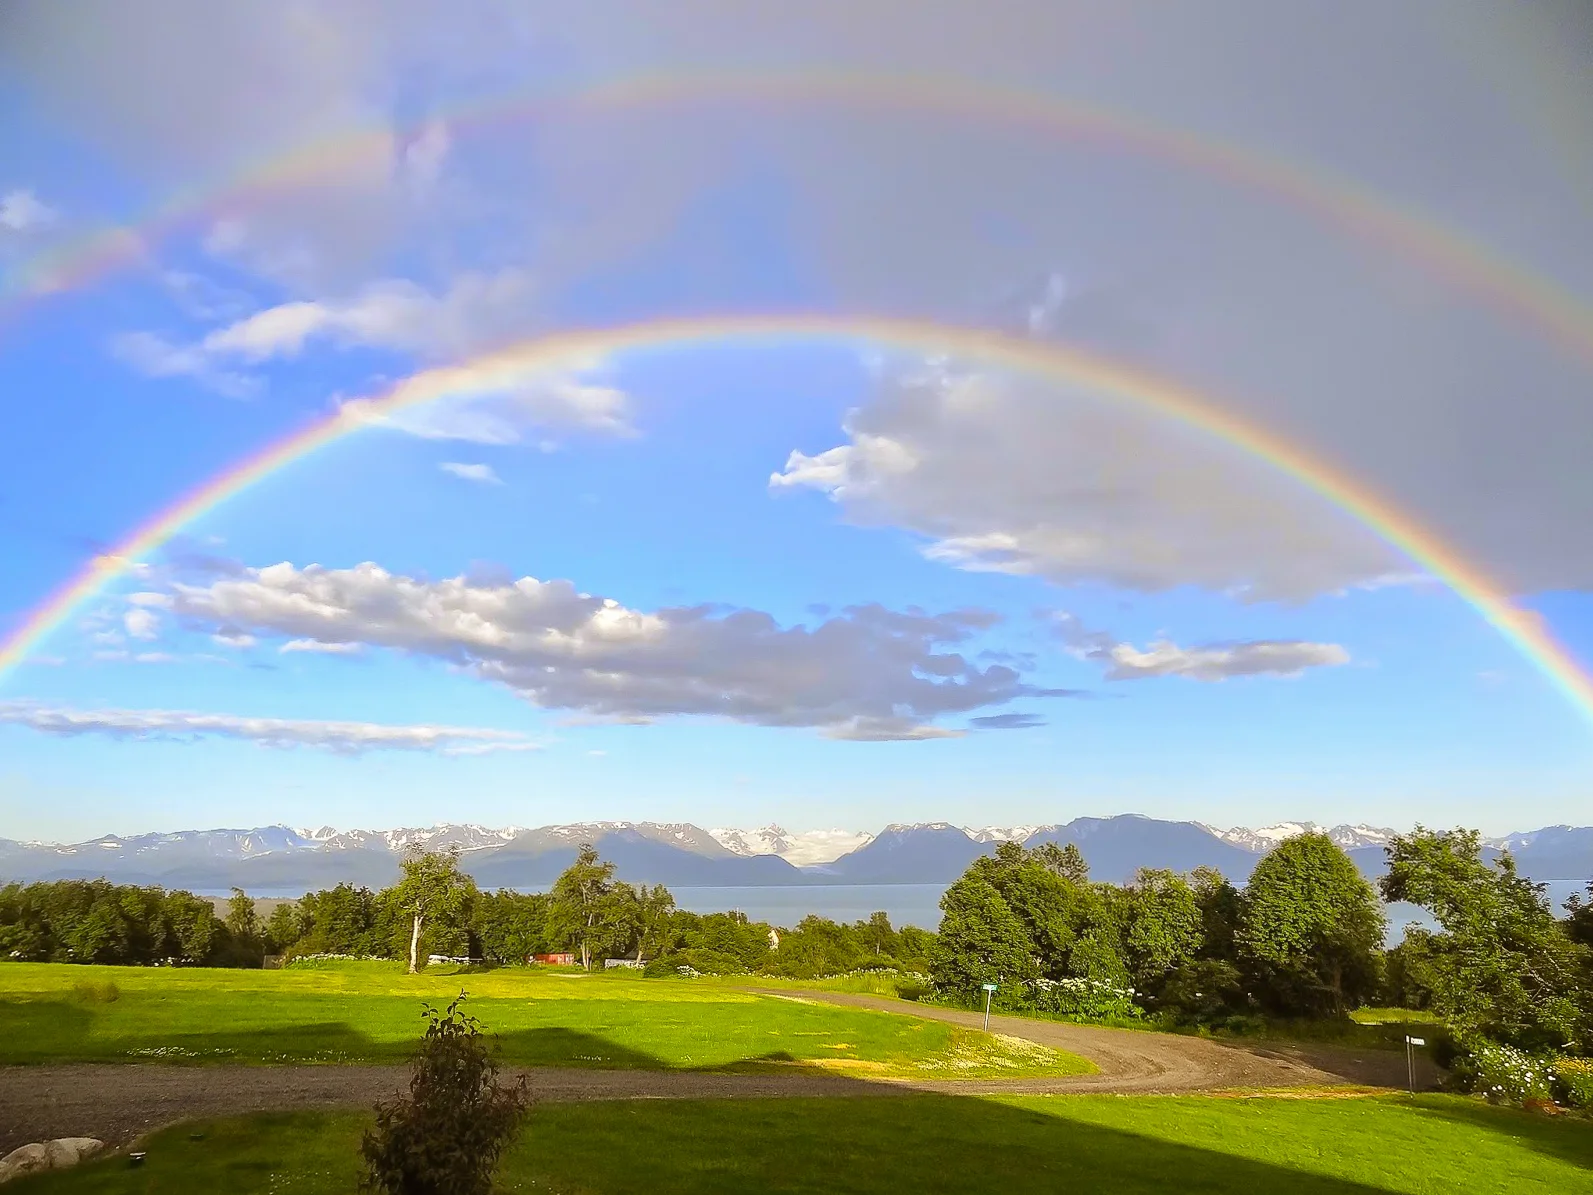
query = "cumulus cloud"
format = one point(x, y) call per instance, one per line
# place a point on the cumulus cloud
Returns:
point(1000, 474)
point(481, 474)
point(1206, 662)
point(23, 211)
point(182, 725)
point(865, 673)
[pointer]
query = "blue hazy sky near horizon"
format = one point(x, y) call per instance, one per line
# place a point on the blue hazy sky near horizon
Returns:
point(1398, 704)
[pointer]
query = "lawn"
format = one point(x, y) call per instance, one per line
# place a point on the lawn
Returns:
point(370, 1012)
point(919, 1143)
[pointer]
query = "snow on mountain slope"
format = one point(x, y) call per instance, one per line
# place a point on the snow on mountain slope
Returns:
point(1000, 833)
point(802, 850)
point(1264, 838)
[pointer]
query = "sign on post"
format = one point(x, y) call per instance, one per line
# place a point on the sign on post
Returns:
point(989, 990)
point(1410, 1061)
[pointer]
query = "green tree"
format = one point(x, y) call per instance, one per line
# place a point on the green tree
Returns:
point(1066, 861)
point(1311, 929)
point(283, 928)
point(655, 906)
point(1504, 965)
point(1164, 928)
point(981, 940)
point(433, 892)
point(194, 930)
point(511, 926)
point(581, 905)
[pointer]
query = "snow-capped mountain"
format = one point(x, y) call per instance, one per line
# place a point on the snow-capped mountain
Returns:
point(1001, 833)
point(1264, 838)
point(805, 849)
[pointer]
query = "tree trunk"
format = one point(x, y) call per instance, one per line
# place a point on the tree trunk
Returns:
point(414, 945)
point(586, 955)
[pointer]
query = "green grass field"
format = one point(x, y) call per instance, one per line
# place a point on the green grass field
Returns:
point(919, 1143)
point(370, 1012)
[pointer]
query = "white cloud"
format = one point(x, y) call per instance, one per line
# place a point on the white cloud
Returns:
point(227, 637)
point(141, 623)
point(1000, 474)
point(502, 401)
point(22, 211)
point(482, 474)
point(1207, 662)
point(344, 737)
point(866, 673)
point(316, 647)
point(155, 357)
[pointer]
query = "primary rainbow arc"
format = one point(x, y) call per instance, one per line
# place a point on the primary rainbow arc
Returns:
point(1073, 367)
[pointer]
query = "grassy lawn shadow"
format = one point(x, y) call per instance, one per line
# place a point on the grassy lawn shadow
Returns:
point(1567, 1138)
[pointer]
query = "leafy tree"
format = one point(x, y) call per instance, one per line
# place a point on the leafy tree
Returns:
point(193, 930)
point(1066, 861)
point(582, 904)
point(1579, 918)
point(1311, 929)
point(446, 1136)
point(283, 928)
point(1220, 909)
point(1504, 965)
point(433, 891)
point(1164, 928)
point(655, 905)
point(511, 926)
point(981, 940)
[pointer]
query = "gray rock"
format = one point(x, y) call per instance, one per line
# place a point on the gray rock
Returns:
point(47, 1155)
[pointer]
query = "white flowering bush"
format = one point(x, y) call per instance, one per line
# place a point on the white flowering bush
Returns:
point(1085, 999)
point(1507, 1075)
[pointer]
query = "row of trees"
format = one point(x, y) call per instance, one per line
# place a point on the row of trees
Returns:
point(1304, 938)
point(95, 921)
point(435, 908)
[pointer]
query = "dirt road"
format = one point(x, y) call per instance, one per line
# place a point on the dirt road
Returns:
point(1132, 1060)
point(119, 1102)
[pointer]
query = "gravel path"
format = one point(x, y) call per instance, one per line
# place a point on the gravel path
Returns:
point(120, 1102)
point(1139, 1061)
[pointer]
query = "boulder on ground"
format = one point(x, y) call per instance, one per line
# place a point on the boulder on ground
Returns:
point(47, 1155)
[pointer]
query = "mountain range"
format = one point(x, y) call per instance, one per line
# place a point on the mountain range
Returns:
point(277, 860)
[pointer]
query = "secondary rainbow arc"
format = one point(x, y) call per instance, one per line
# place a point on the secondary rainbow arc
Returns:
point(1460, 261)
point(1074, 367)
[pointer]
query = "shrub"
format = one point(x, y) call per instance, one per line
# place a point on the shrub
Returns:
point(1573, 1082)
point(914, 987)
point(446, 1135)
point(1507, 1075)
point(89, 992)
point(1083, 999)
point(698, 961)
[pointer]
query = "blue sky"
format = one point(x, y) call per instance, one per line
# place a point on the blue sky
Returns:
point(1185, 632)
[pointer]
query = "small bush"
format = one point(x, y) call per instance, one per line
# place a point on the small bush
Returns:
point(1573, 1082)
point(446, 1135)
point(89, 992)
